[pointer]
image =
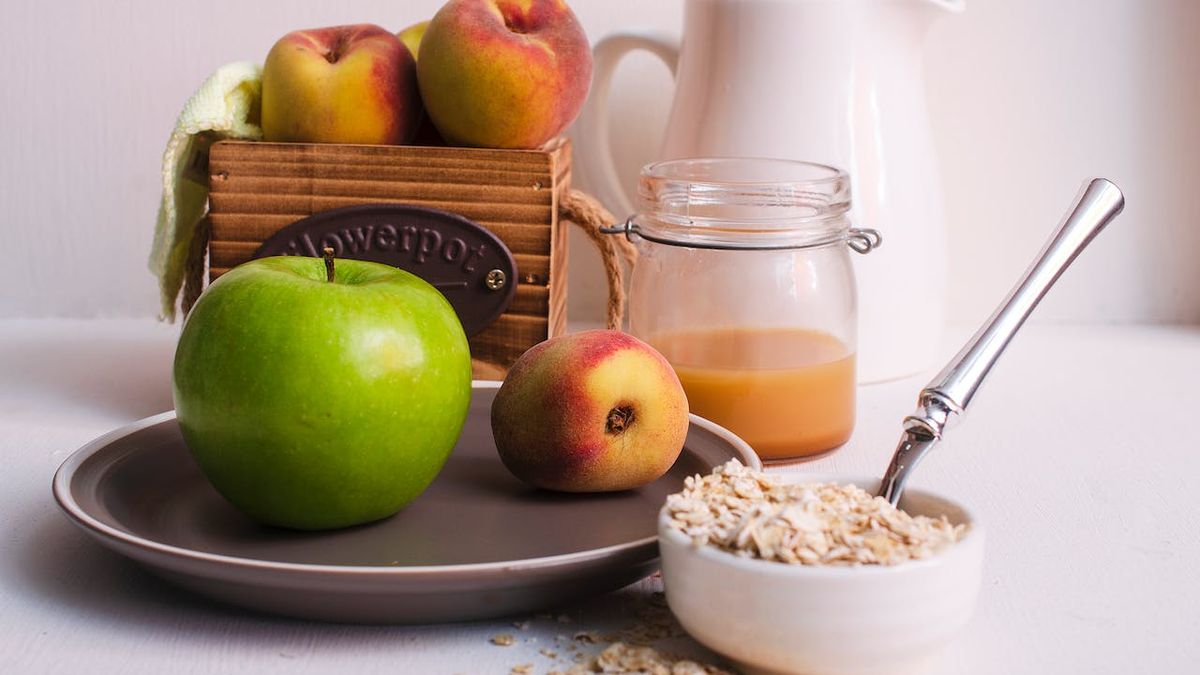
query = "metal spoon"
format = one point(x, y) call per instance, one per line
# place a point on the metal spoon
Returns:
point(949, 394)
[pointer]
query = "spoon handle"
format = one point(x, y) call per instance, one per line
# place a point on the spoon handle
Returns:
point(951, 391)
point(1098, 203)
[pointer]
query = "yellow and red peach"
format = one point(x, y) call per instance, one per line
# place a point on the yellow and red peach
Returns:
point(411, 37)
point(345, 84)
point(590, 412)
point(503, 73)
point(426, 133)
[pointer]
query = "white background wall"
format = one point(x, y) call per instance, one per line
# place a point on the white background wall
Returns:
point(1028, 98)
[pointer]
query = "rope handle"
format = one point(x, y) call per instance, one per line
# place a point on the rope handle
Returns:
point(586, 212)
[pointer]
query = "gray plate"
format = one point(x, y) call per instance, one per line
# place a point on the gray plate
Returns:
point(477, 544)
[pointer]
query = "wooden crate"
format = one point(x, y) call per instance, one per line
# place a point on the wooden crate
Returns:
point(259, 188)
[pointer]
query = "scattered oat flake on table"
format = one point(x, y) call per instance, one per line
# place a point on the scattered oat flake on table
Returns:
point(588, 636)
point(654, 622)
point(750, 514)
point(623, 659)
point(503, 640)
point(523, 669)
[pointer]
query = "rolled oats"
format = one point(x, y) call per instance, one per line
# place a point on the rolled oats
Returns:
point(620, 658)
point(750, 514)
point(588, 636)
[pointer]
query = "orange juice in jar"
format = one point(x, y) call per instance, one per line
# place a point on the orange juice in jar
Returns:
point(744, 283)
point(788, 392)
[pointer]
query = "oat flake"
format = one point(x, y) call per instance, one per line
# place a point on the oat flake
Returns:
point(621, 658)
point(750, 514)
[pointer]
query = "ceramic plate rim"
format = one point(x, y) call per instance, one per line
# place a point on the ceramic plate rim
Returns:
point(67, 502)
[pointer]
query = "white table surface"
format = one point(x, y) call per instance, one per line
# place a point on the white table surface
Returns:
point(1081, 455)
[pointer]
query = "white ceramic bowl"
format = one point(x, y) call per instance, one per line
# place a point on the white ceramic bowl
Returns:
point(770, 617)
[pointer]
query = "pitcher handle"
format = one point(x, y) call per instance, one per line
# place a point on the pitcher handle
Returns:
point(591, 138)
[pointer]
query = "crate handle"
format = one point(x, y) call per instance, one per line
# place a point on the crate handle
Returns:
point(590, 216)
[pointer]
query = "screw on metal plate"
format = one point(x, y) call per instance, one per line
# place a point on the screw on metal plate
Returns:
point(495, 280)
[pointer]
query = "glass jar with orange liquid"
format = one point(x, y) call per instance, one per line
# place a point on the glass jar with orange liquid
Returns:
point(744, 283)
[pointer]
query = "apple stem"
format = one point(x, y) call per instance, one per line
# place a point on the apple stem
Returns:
point(328, 251)
point(619, 419)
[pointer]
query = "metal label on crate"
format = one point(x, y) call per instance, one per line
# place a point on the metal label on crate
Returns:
point(467, 263)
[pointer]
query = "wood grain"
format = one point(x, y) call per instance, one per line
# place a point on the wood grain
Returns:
point(260, 188)
point(241, 202)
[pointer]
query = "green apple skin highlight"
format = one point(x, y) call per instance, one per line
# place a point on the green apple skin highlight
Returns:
point(315, 404)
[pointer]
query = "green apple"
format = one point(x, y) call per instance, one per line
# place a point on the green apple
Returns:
point(316, 400)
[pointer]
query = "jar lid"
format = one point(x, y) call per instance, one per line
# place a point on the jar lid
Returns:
point(745, 203)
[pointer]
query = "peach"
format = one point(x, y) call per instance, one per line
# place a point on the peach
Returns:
point(345, 84)
point(503, 73)
point(411, 37)
point(426, 133)
point(590, 412)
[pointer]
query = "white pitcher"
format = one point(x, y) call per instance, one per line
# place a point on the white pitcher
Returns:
point(832, 81)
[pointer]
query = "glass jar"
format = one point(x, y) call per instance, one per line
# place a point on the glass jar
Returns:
point(744, 283)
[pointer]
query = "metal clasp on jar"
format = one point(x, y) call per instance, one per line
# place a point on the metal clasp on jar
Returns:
point(859, 239)
point(863, 239)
